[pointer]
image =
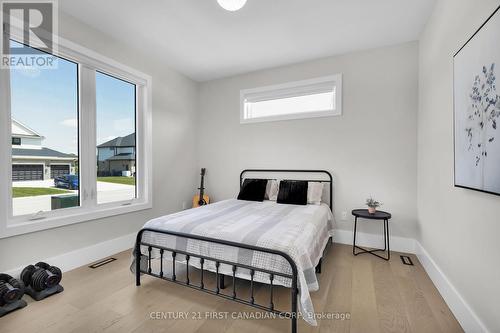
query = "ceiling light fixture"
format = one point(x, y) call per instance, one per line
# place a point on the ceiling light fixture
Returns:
point(232, 5)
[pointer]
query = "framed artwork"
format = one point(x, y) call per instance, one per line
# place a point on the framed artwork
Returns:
point(476, 68)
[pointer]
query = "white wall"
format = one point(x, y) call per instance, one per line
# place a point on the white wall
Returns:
point(370, 149)
point(459, 228)
point(30, 143)
point(174, 155)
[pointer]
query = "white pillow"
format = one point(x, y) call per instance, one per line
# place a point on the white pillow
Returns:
point(272, 189)
point(314, 193)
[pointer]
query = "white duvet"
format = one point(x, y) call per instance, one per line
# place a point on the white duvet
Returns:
point(302, 232)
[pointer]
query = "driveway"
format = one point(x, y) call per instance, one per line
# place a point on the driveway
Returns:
point(111, 192)
point(106, 193)
point(34, 183)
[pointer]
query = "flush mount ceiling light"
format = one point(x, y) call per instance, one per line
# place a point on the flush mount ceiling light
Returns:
point(232, 5)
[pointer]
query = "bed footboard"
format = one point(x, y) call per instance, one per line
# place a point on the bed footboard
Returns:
point(291, 315)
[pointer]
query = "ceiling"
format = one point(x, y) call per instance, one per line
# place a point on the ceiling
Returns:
point(205, 42)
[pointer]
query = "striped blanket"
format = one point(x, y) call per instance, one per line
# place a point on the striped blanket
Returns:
point(302, 232)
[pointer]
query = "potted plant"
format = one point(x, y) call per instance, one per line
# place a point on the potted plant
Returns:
point(372, 205)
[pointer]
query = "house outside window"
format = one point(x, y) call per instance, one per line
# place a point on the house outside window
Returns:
point(117, 157)
point(31, 161)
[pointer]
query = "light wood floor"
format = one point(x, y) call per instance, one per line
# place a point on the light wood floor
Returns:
point(378, 296)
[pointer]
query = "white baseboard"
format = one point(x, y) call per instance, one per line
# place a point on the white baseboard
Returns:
point(398, 244)
point(84, 256)
point(463, 312)
point(467, 318)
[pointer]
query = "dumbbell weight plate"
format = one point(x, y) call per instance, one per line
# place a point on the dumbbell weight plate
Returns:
point(19, 286)
point(12, 294)
point(26, 274)
point(51, 279)
point(57, 274)
point(54, 274)
point(3, 290)
point(9, 293)
point(5, 277)
point(42, 265)
point(39, 279)
point(11, 289)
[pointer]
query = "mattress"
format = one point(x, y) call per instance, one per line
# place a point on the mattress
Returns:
point(302, 232)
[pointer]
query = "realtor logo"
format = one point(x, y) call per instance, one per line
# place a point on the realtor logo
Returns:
point(28, 33)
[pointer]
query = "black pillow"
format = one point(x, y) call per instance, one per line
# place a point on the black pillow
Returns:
point(293, 192)
point(253, 190)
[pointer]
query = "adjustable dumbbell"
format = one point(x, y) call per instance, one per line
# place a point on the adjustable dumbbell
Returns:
point(41, 276)
point(11, 289)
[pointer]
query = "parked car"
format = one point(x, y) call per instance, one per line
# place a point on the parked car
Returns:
point(67, 181)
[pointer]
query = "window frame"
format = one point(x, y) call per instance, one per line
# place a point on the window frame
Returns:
point(136, 189)
point(88, 63)
point(293, 89)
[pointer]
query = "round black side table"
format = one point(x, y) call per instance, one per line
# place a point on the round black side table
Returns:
point(378, 215)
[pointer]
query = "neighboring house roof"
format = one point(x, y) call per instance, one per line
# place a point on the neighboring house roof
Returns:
point(122, 157)
point(19, 129)
point(44, 152)
point(121, 141)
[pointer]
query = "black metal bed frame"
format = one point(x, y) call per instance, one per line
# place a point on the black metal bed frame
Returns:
point(292, 314)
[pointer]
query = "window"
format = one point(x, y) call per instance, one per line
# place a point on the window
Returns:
point(116, 167)
point(75, 141)
point(318, 97)
point(44, 108)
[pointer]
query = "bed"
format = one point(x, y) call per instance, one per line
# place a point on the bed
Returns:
point(262, 242)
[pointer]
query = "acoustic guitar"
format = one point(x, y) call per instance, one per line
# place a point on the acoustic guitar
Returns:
point(201, 199)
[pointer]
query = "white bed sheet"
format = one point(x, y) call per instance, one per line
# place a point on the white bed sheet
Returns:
point(302, 232)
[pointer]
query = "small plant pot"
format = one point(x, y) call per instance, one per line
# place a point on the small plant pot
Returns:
point(372, 210)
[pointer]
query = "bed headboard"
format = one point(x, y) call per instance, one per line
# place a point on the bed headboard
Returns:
point(323, 176)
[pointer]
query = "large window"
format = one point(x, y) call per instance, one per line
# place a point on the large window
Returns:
point(44, 124)
point(75, 141)
point(294, 100)
point(116, 163)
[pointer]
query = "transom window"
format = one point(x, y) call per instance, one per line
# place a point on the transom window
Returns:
point(318, 97)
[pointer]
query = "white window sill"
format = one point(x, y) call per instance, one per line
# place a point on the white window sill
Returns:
point(79, 215)
point(302, 115)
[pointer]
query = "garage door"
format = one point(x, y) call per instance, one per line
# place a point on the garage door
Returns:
point(58, 170)
point(27, 172)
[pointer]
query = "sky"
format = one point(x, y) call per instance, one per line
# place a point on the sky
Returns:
point(46, 100)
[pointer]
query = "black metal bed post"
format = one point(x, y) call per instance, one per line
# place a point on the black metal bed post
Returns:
point(138, 257)
point(221, 282)
point(294, 286)
point(331, 191)
point(330, 178)
point(295, 291)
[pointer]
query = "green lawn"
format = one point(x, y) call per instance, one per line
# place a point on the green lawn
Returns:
point(117, 180)
point(19, 192)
